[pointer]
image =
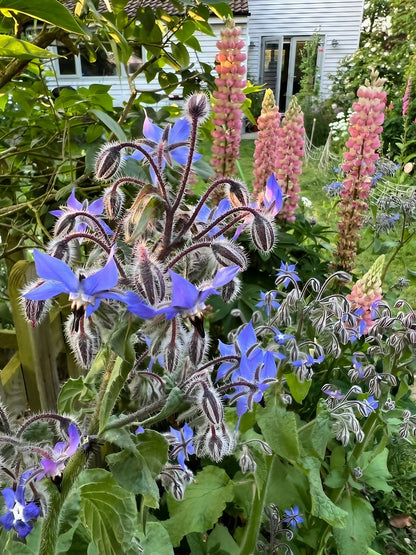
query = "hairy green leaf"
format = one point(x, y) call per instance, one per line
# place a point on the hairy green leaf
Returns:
point(107, 511)
point(203, 504)
point(360, 528)
point(280, 431)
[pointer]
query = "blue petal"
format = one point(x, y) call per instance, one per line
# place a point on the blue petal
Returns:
point(73, 203)
point(269, 369)
point(139, 307)
point(7, 521)
point(46, 291)
point(242, 406)
point(31, 511)
point(22, 528)
point(247, 338)
point(104, 279)
point(52, 268)
point(180, 131)
point(107, 229)
point(181, 459)
point(246, 369)
point(223, 207)
point(152, 131)
point(97, 207)
point(57, 213)
point(274, 193)
point(225, 275)
point(188, 432)
point(73, 440)
point(181, 153)
point(9, 497)
point(184, 294)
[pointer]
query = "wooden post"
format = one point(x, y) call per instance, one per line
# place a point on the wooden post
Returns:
point(36, 348)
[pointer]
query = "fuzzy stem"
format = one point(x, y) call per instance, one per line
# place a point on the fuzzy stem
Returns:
point(223, 217)
point(193, 247)
point(185, 177)
point(248, 545)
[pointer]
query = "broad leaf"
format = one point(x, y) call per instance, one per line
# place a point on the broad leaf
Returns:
point(111, 124)
point(360, 528)
point(136, 471)
point(107, 511)
point(11, 47)
point(375, 472)
point(51, 11)
point(156, 541)
point(280, 431)
point(203, 504)
point(322, 506)
point(298, 389)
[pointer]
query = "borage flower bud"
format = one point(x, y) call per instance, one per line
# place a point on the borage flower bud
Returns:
point(246, 461)
point(61, 249)
point(262, 233)
point(113, 202)
point(85, 341)
point(148, 276)
point(34, 311)
point(196, 107)
point(229, 254)
point(214, 442)
point(108, 162)
point(238, 193)
point(210, 403)
point(231, 290)
point(197, 347)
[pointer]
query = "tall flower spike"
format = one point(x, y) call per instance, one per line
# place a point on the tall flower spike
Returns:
point(365, 128)
point(367, 291)
point(228, 99)
point(406, 97)
point(289, 155)
point(265, 153)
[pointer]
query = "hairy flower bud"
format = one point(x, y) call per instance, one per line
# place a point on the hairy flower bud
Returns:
point(197, 347)
point(262, 233)
point(230, 290)
point(84, 342)
point(229, 254)
point(210, 404)
point(113, 202)
point(196, 107)
point(214, 442)
point(108, 162)
point(34, 311)
point(61, 249)
point(148, 276)
point(246, 461)
point(238, 193)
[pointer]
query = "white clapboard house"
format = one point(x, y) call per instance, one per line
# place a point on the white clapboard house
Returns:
point(275, 32)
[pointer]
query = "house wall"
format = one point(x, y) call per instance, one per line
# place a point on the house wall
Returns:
point(334, 19)
point(119, 84)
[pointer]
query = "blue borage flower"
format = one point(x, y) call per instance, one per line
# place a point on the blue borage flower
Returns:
point(293, 517)
point(271, 301)
point(243, 346)
point(281, 337)
point(19, 512)
point(166, 145)
point(370, 405)
point(255, 375)
point(62, 451)
point(187, 299)
point(287, 273)
point(181, 444)
point(96, 208)
point(85, 292)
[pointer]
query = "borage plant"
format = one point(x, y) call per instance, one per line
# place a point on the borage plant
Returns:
point(166, 444)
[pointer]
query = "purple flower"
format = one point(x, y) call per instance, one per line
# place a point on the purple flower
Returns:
point(288, 273)
point(272, 303)
point(96, 208)
point(19, 513)
point(85, 293)
point(62, 451)
point(281, 337)
point(272, 201)
point(333, 393)
point(255, 375)
point(165, 145)
point(370, 405)
point(243, 346)
point(293, 517)
point(189, 300)
point(181, 443)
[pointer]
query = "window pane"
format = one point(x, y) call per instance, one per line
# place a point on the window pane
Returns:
point(67, 64)
point(96, 62)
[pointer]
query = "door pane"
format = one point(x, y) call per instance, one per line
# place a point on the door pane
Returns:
point(297, 73)
point(270, 62)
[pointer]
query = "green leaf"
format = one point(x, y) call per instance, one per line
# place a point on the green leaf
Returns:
point(156, 541)
point(107, 511)
point(137, 471)
point(221, 542)
point(185, 31)
point(51, 11)
point(112, 125)
point(322, 506)
point(360, 528)
point(203, 504)
point(280, 431)
point(116, 381)
point(11, 47)
point(375, 471)
point(298, 389)
point(321, 434)
point(180, 53)
point(69, 395)
point(94, 132)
